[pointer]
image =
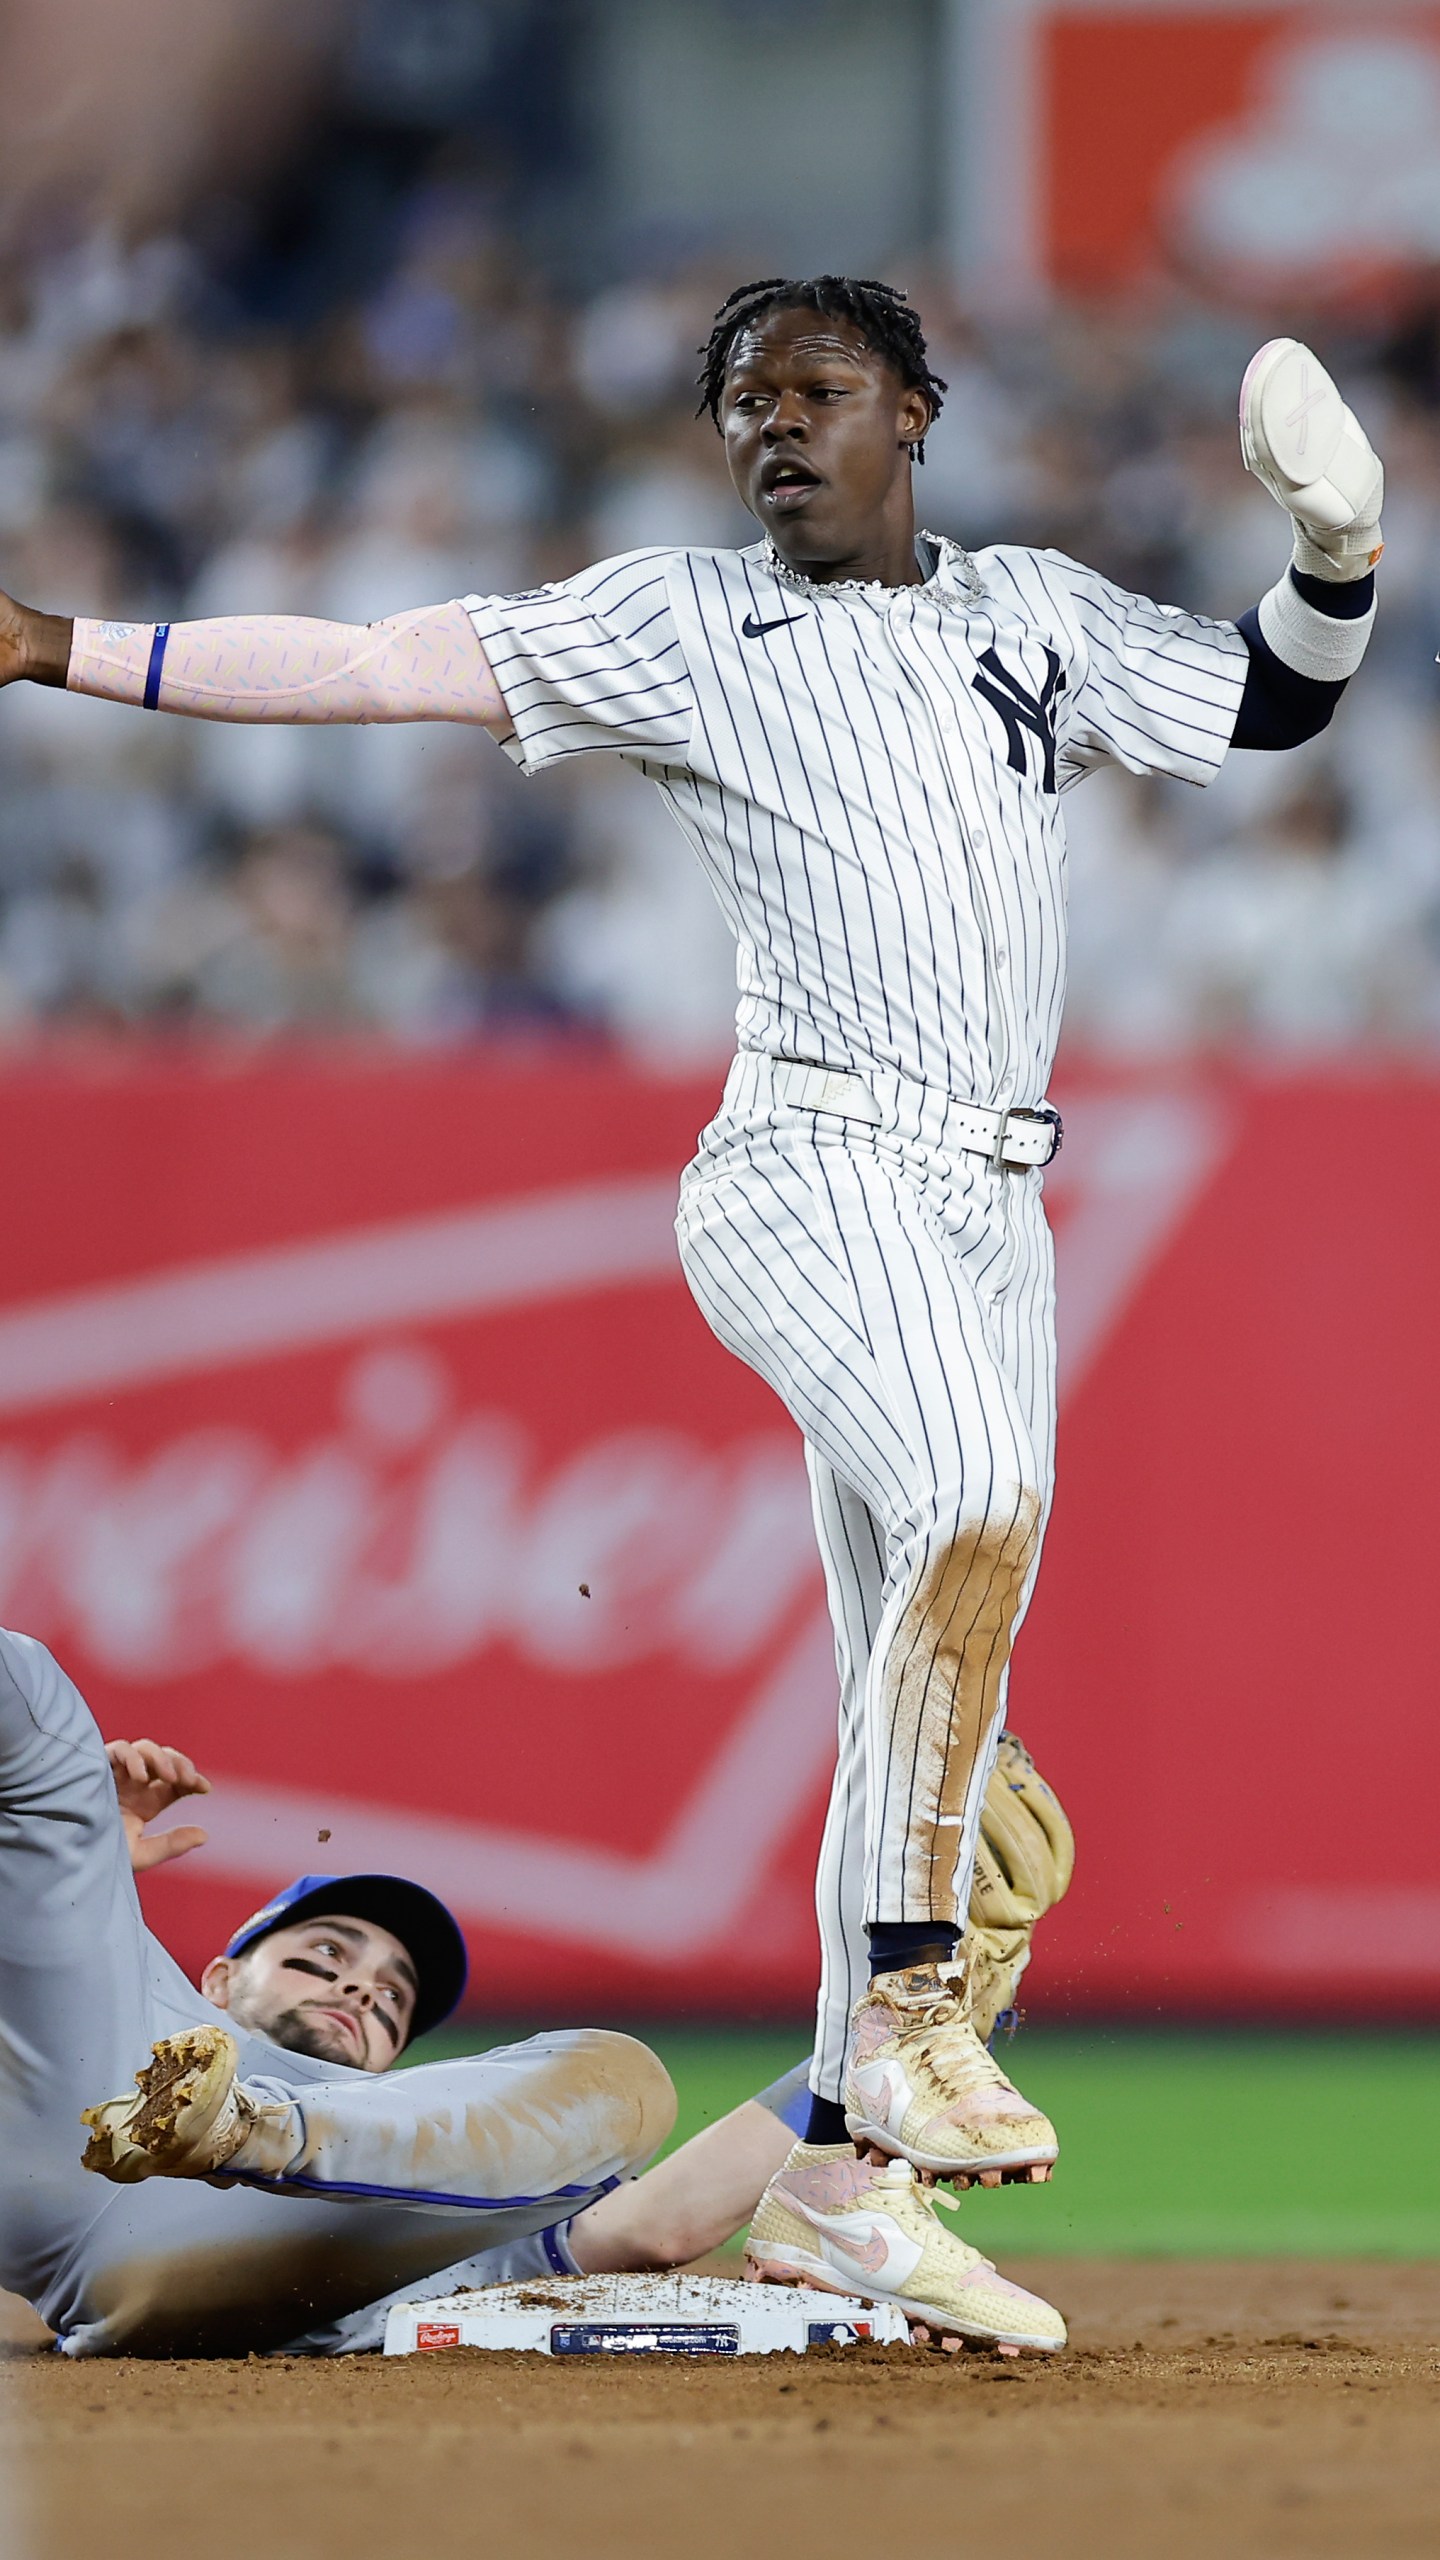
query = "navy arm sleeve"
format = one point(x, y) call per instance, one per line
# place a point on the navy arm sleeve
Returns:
point(1279, 706)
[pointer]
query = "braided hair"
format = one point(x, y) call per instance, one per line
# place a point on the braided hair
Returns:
point(887, 321)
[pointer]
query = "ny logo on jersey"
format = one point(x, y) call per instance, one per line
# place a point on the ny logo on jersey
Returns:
point(1021, 710)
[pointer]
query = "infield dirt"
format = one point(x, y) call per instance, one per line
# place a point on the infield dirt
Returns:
point(1215, 2408)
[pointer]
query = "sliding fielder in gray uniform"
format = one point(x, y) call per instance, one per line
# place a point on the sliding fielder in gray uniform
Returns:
point(865, 731)
point(379, 2182)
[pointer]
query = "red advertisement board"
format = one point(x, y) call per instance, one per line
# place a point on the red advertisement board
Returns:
point(357, 1432)
point(1282, 150)
point(1130, 98)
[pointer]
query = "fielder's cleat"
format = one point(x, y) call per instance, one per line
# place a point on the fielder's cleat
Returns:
point(920, 2085)
point(1310, 451)
point(187, 2118)
point(870, 2228)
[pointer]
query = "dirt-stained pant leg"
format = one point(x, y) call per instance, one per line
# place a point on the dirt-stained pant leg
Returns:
point(852, 1552)
point(902, 1308)
point(505, 2143)
point(403, 2175)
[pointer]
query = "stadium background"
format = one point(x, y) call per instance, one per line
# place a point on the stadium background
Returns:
point(358, 1432)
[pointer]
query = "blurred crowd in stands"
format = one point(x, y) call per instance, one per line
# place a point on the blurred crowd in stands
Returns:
point(461, 424)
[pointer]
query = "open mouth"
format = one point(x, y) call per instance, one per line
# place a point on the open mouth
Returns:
point(787, 482)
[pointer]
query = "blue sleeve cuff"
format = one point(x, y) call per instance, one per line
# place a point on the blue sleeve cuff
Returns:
point(556, 2244)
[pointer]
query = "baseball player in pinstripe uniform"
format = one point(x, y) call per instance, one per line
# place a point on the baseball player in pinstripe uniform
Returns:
point(865, 732)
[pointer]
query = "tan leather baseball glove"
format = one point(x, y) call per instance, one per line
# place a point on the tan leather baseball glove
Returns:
point(1025, 1860)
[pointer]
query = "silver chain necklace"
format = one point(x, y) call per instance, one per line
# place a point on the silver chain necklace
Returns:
point(953, 565)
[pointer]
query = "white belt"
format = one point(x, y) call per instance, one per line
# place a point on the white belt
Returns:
point(1009, 1139)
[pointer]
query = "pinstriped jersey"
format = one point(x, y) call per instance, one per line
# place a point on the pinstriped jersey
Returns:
point(872, 776)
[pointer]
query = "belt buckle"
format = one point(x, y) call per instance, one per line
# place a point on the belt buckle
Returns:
point(997, 1152)
point(1045, 1111)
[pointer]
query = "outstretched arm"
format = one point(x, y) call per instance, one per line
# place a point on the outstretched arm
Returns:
point(688, 2204)
point(425, 665)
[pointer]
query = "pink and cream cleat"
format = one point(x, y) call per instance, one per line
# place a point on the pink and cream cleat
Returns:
point(871, 2228)
point(920, 2085)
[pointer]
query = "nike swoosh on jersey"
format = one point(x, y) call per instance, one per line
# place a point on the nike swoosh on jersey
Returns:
point(750, 629)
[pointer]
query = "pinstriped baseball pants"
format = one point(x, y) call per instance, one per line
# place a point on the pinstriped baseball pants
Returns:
point(898, 1296)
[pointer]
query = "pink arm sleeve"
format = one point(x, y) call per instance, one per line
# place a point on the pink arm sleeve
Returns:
point(427, 665)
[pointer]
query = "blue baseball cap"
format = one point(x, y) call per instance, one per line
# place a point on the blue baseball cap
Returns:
point(429, 1933)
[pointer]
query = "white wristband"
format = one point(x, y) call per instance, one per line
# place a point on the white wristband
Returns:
point(1313, 643)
